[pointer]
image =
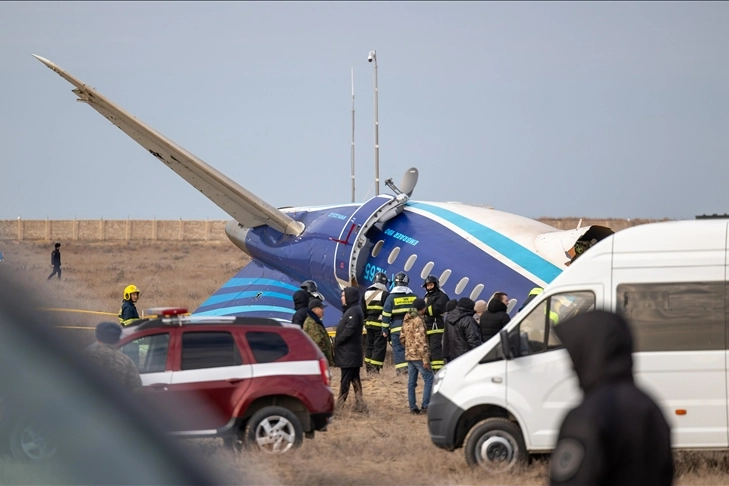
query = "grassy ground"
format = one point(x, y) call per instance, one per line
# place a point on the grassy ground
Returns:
point(386, 445)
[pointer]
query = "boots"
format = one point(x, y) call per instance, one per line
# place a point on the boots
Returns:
point(343, 394)
point(359, 403)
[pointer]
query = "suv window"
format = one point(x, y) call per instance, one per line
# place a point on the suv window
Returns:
point(208, 349)
point(149, 353)
point(267, 346)
point(686, 316)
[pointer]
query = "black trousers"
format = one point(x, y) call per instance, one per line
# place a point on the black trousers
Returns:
point(435, 341)
point(56, 270)
point(350, 376)
point(375, 348)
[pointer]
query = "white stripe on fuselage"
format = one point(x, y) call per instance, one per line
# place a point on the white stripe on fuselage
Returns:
point(477, 243)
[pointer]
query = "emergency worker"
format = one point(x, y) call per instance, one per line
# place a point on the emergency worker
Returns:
point(398, 303)
point(128, 312)
point(435, 307)
point(373, 302)
point(302, 297)
point(531, 296)
point(617, 435)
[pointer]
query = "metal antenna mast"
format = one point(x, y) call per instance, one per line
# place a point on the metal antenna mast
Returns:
point(373, 57)
point(352, 134)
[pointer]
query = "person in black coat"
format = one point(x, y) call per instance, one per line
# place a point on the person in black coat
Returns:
point(461, 333)
point(617, 435)
point(56, 262)
point(308, 292)
point(348, 351)
point(495, 317)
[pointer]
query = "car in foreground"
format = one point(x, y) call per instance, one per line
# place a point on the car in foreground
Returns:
point(252, 381)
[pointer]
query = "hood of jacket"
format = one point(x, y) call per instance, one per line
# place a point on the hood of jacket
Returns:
point(496, 306)
point(378, 286)
point(301, 299)
point(456, 314)
point(600, 345)
point(351, 297)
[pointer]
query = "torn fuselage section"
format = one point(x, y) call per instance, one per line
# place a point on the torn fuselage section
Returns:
point(564, 247)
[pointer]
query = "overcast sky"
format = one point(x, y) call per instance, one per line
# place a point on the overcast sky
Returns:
point(542, 109)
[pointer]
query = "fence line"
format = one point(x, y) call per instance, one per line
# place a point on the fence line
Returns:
point(194, 230)
point(112, 230)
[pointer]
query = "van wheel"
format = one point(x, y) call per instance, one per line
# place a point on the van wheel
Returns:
point(496, 445)
point(274, 430)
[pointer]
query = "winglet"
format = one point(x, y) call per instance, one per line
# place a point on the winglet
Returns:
point(244, 206)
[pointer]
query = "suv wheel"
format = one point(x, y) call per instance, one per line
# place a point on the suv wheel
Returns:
point(274, 430)
point(28, 443)
point(496, 445)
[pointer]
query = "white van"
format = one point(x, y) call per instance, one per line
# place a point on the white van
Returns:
point(668, 280)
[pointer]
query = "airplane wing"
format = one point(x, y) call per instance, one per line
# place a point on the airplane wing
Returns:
point(259, 291)
point(244, 206)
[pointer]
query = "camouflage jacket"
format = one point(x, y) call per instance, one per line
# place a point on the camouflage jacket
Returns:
point(318, 333)
point(414, 339)
point(116, 365)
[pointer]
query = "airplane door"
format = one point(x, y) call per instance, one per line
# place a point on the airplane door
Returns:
point(352, 239)
point(542, 387)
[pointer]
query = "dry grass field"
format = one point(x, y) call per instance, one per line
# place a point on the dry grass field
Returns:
point(385, 445)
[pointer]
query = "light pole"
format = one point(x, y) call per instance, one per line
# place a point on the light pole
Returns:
point(373, 57)
point(352, 134)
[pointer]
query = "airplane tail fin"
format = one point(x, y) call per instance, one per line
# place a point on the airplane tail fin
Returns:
point(259, 291)
point(241, 204)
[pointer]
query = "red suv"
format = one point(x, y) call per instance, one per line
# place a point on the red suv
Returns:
point(248, 380)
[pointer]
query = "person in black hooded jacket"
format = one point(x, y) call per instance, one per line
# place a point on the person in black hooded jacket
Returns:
point(308, 292)
point(461, 332)
point(495, 317)
point(617, 435)
point(348, 351)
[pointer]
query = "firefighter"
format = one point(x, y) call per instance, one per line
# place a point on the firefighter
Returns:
point(435, 306)
point(373, 302)
point(398, 303)
point(128, 312)
point(127, 315)
point(531, 296)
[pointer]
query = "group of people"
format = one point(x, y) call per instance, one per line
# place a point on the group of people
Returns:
point(424, 332)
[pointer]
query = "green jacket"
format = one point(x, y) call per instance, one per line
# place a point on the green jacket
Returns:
point(318, 333)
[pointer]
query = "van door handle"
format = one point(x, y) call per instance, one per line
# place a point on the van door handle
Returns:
point(497, 379)
point(159, 386)
point(233, 381)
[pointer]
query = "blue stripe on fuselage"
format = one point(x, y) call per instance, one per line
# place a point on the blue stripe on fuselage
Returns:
point(512, 250)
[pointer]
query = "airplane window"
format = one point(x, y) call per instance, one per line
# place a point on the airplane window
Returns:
point(461, 285)
point(393, 255)
point(411, 261)
point(426, 270)
point(377, 248)
point(444, 277)
point(476, 291)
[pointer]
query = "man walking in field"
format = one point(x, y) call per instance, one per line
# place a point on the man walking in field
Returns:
point(56, 262)
point(417, 354)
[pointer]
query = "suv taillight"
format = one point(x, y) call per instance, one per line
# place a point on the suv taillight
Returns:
point(326, 375)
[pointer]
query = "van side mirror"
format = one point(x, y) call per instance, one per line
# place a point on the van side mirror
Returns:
point(505, 348)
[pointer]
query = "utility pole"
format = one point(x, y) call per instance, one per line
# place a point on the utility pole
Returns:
point(373, 58)
point(352, 134)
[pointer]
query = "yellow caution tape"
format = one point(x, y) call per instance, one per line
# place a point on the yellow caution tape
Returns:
point(54, 309)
